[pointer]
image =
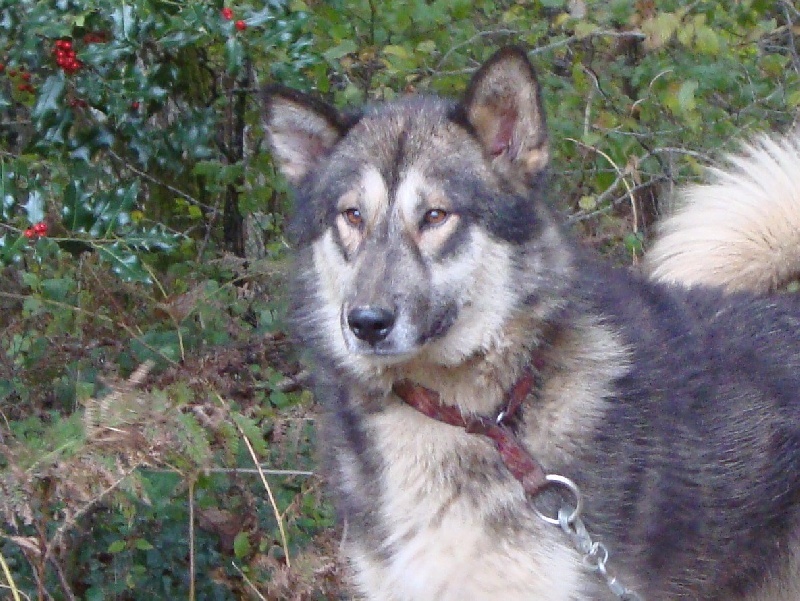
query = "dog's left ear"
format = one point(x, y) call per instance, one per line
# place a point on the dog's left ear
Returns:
point(503, 104)
point(301, 129)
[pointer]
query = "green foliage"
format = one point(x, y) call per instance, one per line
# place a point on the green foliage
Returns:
point(116, 154)
point(141, 222)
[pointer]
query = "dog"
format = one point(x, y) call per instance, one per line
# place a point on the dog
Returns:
point(508, 417)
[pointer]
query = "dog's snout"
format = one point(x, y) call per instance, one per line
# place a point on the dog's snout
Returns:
point(371, 324)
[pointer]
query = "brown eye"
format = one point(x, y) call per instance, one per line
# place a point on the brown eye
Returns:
point(353, 217)
point(434, 217)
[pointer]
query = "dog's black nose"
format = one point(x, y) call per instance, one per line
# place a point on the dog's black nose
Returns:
point(370, 324)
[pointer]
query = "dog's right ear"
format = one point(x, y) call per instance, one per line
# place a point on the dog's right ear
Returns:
point(504, 106)
point(301, 130)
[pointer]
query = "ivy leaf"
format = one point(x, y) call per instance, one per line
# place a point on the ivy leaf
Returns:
point(341, 50)
point(659, 30)
point(686, 100)
point(397, 51)
point(707, 41)
point(143, 545)
point(241, 545)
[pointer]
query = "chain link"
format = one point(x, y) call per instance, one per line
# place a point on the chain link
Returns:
point(595, 554)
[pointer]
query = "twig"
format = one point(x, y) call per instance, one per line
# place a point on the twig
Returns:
point(153, 180)
point(248, 581)
point(9, 578)
point(480, 34)
point(621, 175)
point(582, 216)
point(238, 470)
point(63, 580)
point(191, 542)
point(267, 487)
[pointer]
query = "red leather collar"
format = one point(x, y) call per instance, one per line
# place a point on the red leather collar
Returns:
point(524, 467)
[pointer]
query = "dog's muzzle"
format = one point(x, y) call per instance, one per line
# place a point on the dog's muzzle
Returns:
point(371, 324)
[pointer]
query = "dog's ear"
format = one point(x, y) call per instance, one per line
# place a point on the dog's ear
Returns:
point(301, 130)
point(503, 104)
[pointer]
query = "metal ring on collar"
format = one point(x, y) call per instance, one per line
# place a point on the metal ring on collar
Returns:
point(576, 492)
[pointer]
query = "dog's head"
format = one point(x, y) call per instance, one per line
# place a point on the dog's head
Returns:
point(418, 225)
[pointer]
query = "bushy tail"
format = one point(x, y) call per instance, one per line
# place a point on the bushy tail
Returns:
point(742, 229)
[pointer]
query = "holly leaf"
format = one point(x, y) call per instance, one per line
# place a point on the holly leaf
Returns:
point(234, 54)
point(49, 95)
point(124, 263)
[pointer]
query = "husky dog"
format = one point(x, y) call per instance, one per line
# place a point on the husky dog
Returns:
point(429, 266)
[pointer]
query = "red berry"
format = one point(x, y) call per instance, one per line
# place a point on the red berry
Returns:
point(135, 105)
point(2, 67)
point(227, 13)
point(26, 76)
point(40, 228)
point(66, 45)
point(23, 87)
point(12, 72)
point(241, 25)
point(29, 233)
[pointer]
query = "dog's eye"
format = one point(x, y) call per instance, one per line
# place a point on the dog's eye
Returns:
point(353, 217)
point(434, 217)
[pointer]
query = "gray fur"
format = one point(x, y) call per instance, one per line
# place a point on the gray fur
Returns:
point(675, 410)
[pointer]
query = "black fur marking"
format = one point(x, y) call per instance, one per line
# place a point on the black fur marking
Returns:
point(315, 208)
point(506, 215)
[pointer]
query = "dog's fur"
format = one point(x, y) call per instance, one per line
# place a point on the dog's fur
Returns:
point(425, 251)
point(742, 229)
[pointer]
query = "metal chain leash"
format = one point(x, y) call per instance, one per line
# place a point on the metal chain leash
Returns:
point(595, 554)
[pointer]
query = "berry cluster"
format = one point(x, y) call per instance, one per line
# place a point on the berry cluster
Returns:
point(95, 37)
point(24, 84)
point(65, 57)
point(39, 229)
point(227, 14)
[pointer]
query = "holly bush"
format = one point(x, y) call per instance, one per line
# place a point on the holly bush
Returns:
point(141, 223)
point(131, 173)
